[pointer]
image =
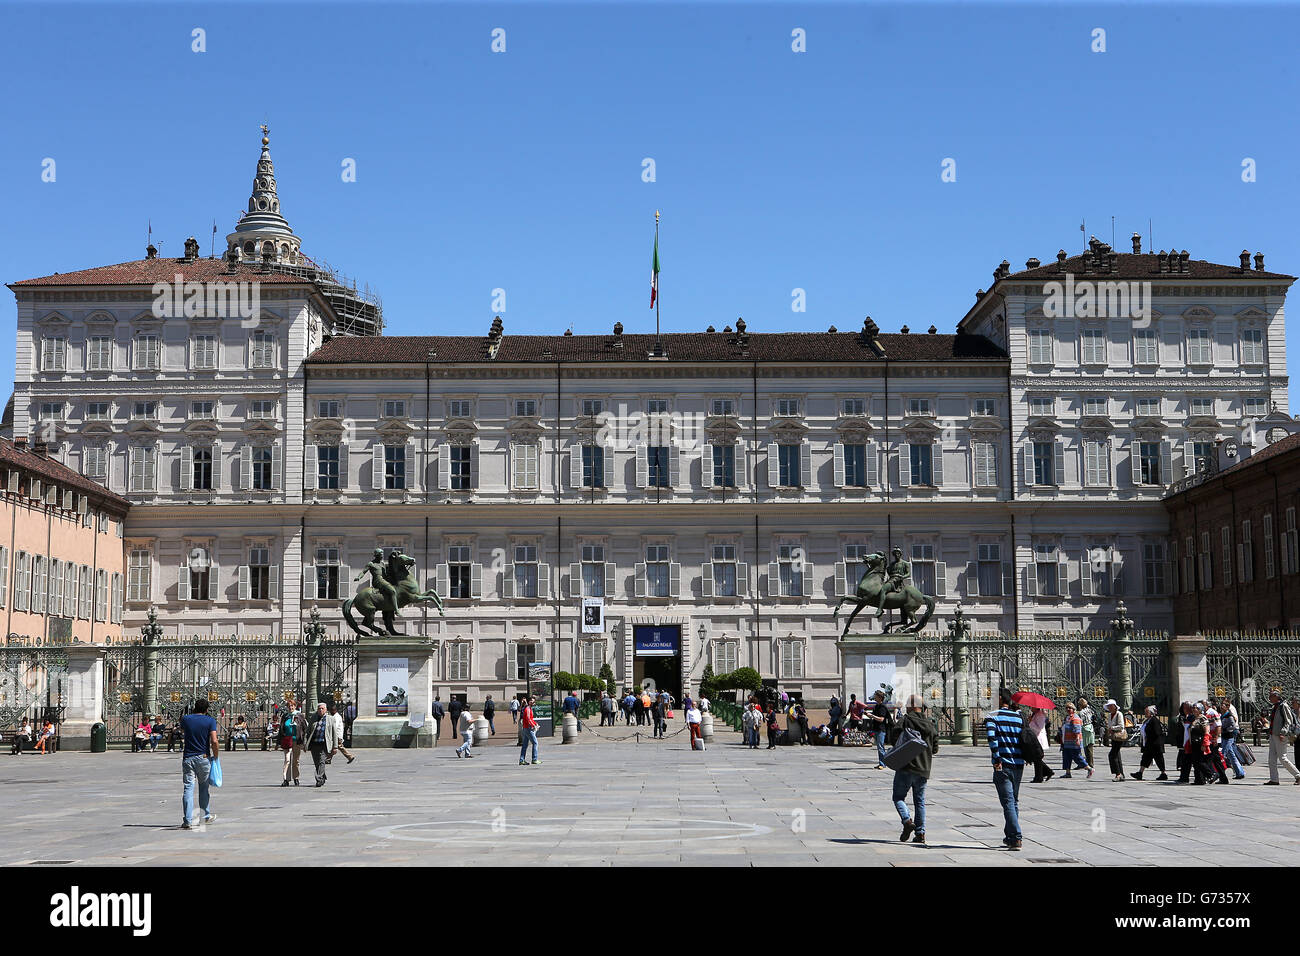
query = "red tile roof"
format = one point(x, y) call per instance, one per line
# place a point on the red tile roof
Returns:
point(1279, 447)
point(149, 271)
point(50, 470)
point(1145, 265)
point(680, 346)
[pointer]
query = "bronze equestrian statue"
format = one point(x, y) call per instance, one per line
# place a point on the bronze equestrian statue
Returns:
point(899, 593)
point(392, 587)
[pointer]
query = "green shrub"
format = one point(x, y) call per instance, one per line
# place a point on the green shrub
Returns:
point(744, 678)
point(563, 680)
point(607, 676)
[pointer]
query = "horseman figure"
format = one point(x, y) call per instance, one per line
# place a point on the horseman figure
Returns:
point(900, 575)
point(888, 586)
point(392, 586)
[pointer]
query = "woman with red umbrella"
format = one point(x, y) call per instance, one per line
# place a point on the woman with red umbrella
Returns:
point(1038, 707)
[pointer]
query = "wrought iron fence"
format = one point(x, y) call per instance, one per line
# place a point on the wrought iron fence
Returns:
point(1245, 667)
point(248, 678)
point(33, 683)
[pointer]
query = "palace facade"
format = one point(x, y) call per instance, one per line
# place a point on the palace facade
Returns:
point(714, 490)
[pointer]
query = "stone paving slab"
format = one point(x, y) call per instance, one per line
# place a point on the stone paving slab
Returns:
point(621, 802)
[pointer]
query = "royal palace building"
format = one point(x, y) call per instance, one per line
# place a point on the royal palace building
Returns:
point(713, 492)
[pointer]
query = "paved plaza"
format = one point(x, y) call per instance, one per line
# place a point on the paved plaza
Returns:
point(620, 802)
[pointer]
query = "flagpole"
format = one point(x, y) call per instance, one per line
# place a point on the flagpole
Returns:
point(659, 346)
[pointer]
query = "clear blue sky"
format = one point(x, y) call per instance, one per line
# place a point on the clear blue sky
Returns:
point(775, 170)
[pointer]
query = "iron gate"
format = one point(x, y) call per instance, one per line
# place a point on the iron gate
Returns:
point(1246, 667)
point(33, 683)
point(239, 678)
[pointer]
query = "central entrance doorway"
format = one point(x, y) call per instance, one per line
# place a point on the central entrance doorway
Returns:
point(657, 657)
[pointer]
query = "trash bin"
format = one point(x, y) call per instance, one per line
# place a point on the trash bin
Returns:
point(98, 738)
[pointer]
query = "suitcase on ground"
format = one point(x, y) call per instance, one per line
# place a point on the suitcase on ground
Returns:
point(1245, 753)
point(697, 743)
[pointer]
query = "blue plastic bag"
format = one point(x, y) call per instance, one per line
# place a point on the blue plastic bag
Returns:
point(214, 774)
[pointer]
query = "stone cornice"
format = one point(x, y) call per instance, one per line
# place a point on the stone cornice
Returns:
point(1179, 381)
point(542, 373)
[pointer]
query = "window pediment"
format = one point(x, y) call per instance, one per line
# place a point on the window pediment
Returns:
point(722, 433)
point(261, 430)
point(395, 430)
point(146, 322)
point(201, 429)
point(53, 320)
point(984, 424)
point(1096, 423)
point(1203, 421)
point(459, 432)
point(101, 318)
point(787, 430)
point(97, 430)
point(1045, 423)
point(1252, 312)
point(1198, 312)
point(525, 430)
point(143, 428)
point(1148, 424)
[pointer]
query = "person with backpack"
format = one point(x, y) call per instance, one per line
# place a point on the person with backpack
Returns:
point(489, 714)
point(914, 775)
point(514, 711)
point(293, 731)
point(880, 724)
point(1072, 743)
point(1005, 730)
point(1088, 721)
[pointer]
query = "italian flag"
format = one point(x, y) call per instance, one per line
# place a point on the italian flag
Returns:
point(654, 271)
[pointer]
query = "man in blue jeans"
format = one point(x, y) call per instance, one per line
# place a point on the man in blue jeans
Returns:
point(527, 732)
point(201, 748)
point(914, 775)
point(879, 717)
point(1004, 728)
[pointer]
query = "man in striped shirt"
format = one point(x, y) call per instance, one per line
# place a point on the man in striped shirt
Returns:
point(1004, 728)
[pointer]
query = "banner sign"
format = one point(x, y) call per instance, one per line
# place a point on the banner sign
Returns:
point(650, 640)
point(593, 615)
point(392, 686)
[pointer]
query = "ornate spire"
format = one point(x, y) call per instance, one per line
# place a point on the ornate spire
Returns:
point(262, 230)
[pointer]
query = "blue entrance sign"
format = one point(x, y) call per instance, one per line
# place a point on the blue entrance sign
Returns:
point(652, 640)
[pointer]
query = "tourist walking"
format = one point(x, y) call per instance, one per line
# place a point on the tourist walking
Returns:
point(339, 733)
point(1072, 743)
point(465, 727)
point(693, 718)
point(1003, 729)
point(1183, 722)
point(527, 732)
point(489, 714)
point(1214, 728)
point(1152, 733)
point(914, 775)
point(1038, 727)
point(1116, 735)
point(880, 726)
point(349, 718)
point(658, 709)
point(1229, 731)
point(773, 727)
point(199, 749)
point(1198, 747)
point(454, 707)
point(1088, 720)
point(750, 721)
point(437, 711)
point(801, 716)
point(292, 733)
point(514, 710)
point(1281, 732)
point(322, 741)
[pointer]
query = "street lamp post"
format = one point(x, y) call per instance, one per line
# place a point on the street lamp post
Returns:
point(151, 633)
point(1122, 633)
point(313, 632)
point(959, 629)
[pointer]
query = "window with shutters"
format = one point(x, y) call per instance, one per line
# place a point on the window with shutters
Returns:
point(458, 658)
point(86, 594)
point(724, 570)
point(657, 461)
point(525, 570)
point(792, 659)
point(593, 570)
point(790, 568)
point(657, 571)
point(1202, 454)
point(1247, 551)
point(1189, 566)
point(328, 567)
point(593, 466)
point(1148, 460)
point(56, 588)
point(725, 655)
point(1146, 347)
point(1093, 343)
point(262, 468)
point(327, 467)
point(1207, 562)
point(593, 657)
point(101, 595)
point(460, 474)
point(923, 567)
point(116, 597)
point(989, 569)
point(1098, 570)
point(1252, 347)
point(94, 461)
point(524, 458)
point(4, 576)
point(259, 574)
point(1046, 571)
point(144, 467)
point(1096, 463)
point(99, 354)
point(1225, 540)
point(1040, 347)
point(855, 465)
point(203, 352)
point(201, 472)
point(1291, 543)
point(147, 352)
point(855, 565)
point(853, 407)
point(921, 463)
point(525, 654)
point(986, 464)
point(1199, 345)
point(1044, 463)
point(261, 408)
point(1153, 568)
point(724, 466)
point(22, 581)
point(788, 473)
point(54, 349)
point(459, 571)
point(395, 467)
point(261, 350)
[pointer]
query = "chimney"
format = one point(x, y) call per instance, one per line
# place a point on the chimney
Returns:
point(1087, 261)
point(40, 448)
point(1164, 260)
point(1245, 260)
point(151, 251)
point(832, 329)
point(1259, 262)
point(740, 326)
point(498, 327)
point(1137, 243)
point(191, 249)
point(1060, 260)
point(618, 333)
point(1032, 263)
point(266, 262)
point(1182, 262)
point(932, 330)
point(979, 294)
point(904, 330)
point(232, 261)
point(710, 329)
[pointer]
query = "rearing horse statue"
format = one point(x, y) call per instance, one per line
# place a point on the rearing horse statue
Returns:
point(908, 600)
point(393, 587)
